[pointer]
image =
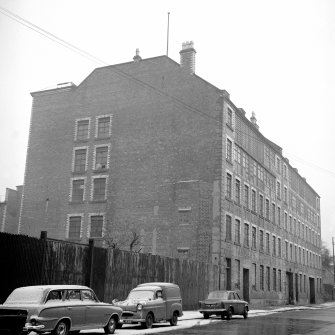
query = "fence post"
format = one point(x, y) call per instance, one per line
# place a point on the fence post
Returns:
point(43, 238)
point(89, 273)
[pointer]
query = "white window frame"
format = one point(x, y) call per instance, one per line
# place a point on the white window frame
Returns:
point(71, 187)
point(256, 240)
point(92, 185)
point(67, 229)
point(234, 187)
point(103, 223)
point(74, 156)
point(97, 123)
point(256, 202)
point(232, 125)
point(228, 138)
point(95, 155)
point(249, 195)
point(76, 128)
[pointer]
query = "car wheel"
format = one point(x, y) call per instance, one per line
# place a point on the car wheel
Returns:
point(245, 313)
point(206, 316)
point(174, 320)
point(149, 320)
point(111, 326)
point(229, 314)
point(62, 328)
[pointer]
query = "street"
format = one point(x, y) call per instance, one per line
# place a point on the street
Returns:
point(318, 321)
point(314, 320)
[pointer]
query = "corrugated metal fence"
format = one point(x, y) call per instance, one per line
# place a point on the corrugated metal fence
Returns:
point(111, 273)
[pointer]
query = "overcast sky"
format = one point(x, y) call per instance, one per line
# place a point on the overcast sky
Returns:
point(276, 58)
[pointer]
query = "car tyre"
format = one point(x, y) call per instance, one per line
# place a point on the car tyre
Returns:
point(245, 313)
point(149, 320)
point(174, 320)
point(206, 316)
point(62, 328)
point(229, 314)
point(111, 326)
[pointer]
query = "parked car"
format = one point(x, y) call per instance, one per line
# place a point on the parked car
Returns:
point(150, 303)
point(224, 304)
point(58, 309)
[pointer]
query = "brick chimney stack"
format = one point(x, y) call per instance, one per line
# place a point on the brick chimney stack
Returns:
point(137, 57)
point(187, 57)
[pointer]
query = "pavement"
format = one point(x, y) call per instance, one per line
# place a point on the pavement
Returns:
point(188, 315)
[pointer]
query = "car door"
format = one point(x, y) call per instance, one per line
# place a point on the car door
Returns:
point(238, 303)
point(96, 314)
point(231, 299)
point(159, 305)
point(75, 309)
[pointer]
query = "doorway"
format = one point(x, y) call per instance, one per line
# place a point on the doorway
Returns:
point(246, 285)
point(289, 288)
point(311, 290)
point(296, 288)
point(228, 274)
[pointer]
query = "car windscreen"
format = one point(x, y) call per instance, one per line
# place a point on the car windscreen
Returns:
point(218, 295)
point(24, 295)
point(141, 294)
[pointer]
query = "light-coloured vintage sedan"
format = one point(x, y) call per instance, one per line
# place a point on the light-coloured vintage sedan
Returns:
point(58, 309)
point(224, 304)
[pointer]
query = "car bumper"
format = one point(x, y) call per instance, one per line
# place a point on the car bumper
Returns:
point(132, 317)
point(29, 327)
point(131, 320)
point(213, 310)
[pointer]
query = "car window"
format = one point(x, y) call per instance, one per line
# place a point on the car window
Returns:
point(159, 295)
point(237, 296)
point(54, 295)
point(172, 292)
point(73, 295)
point(141, 294)
point(26, 295)
point(88, 295)
point(218, 295)
point(231, 296)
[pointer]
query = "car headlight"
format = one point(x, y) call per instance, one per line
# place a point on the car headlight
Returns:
point(33, 322)
point(139, 307)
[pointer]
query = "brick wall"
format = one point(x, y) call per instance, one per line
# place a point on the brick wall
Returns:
point(157, 142)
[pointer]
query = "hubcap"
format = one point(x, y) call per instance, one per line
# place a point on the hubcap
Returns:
point(111, 324)
point(61, 329)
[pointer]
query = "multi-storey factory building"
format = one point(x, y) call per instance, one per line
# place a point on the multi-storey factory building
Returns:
point(147, 155)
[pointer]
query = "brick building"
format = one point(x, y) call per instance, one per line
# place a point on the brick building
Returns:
point(10, 210)
point(149, 149)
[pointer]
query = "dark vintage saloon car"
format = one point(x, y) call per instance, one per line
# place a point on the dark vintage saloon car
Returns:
point(150, 303)
point(58, 309)
point(224, 304)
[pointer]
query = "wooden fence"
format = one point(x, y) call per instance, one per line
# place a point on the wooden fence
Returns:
point(111, 273)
